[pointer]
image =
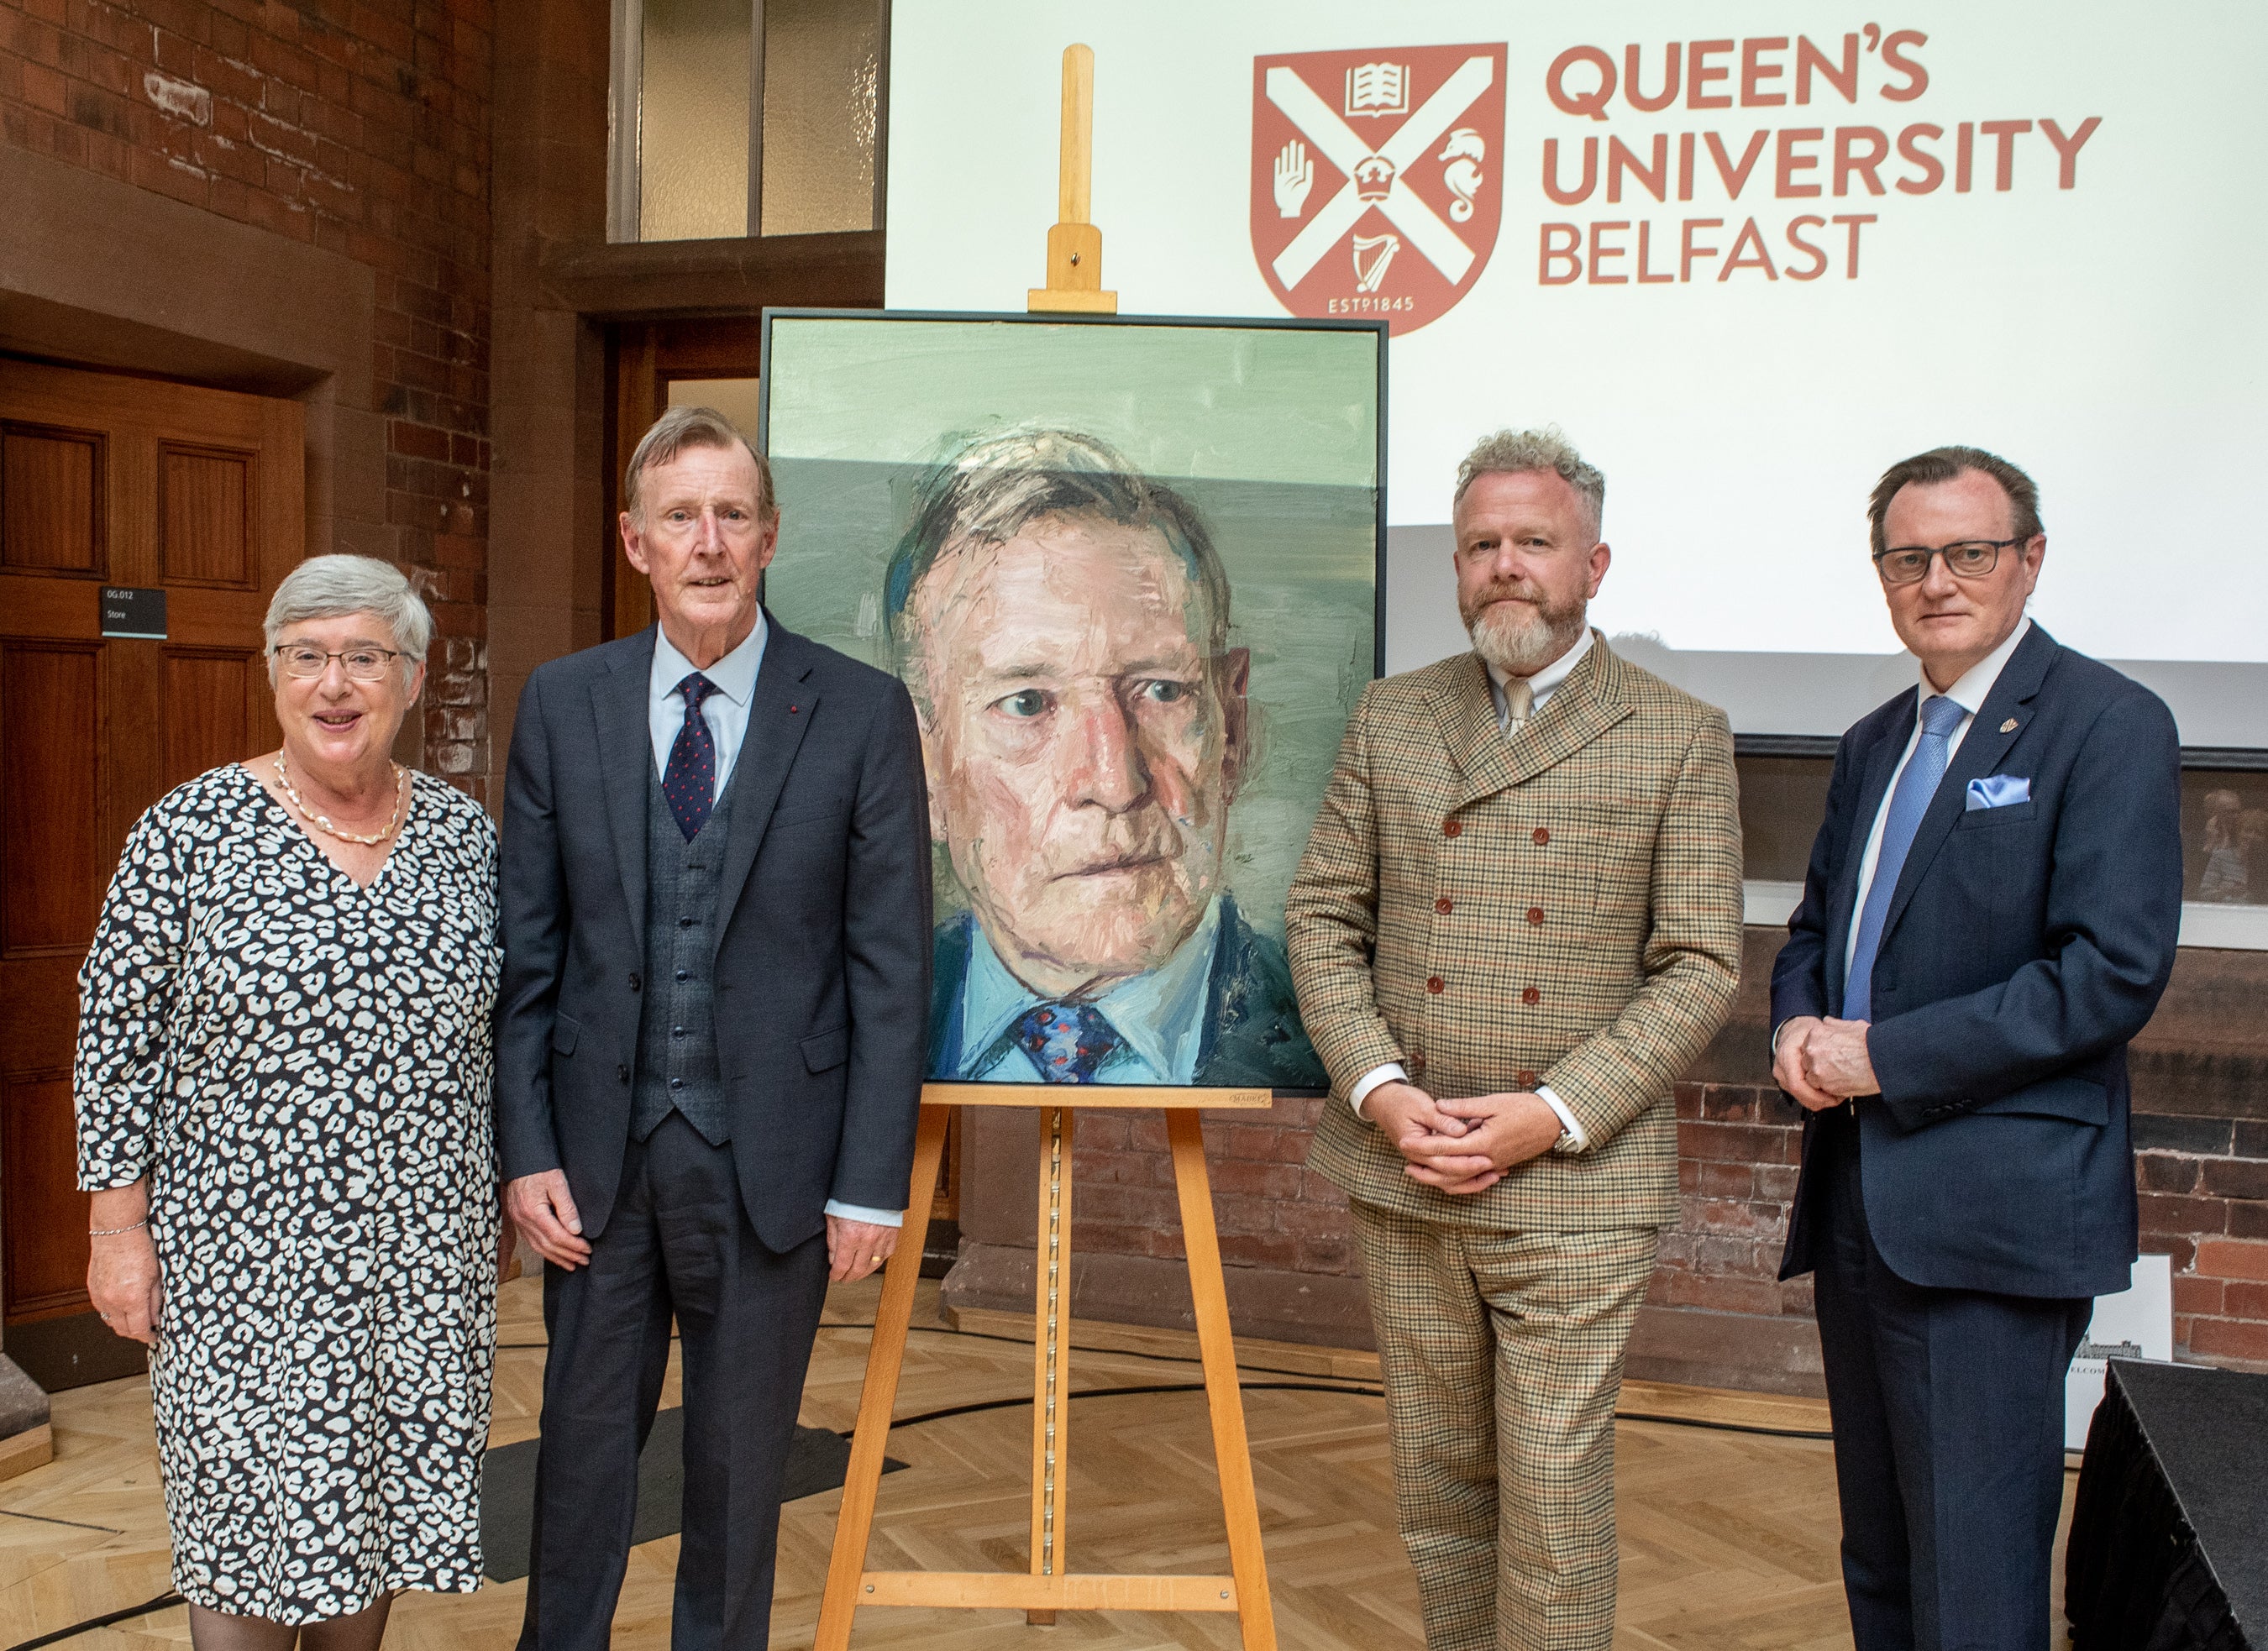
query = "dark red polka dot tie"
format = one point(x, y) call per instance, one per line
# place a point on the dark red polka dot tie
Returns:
point(1067, 1042)
point(689, 782)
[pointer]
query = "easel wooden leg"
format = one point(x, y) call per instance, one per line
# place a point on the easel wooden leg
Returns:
point(863, 1481)
point(1051, 1354)
point(1231, 1453)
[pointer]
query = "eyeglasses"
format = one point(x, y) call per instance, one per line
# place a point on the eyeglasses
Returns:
point(1967, 559)
point(363, 664)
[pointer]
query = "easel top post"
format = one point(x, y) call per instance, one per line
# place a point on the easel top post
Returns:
point(1075, 176)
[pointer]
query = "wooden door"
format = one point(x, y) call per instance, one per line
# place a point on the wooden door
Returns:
point(107, 481)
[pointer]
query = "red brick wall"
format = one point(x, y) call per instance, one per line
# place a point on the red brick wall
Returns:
point(1271, 1209)
point(2205, 1202)
point(363, 129)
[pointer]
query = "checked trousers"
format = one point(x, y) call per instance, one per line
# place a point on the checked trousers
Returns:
point(1503, 1358)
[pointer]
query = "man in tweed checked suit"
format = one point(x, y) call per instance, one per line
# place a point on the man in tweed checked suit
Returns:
point(1517, 921)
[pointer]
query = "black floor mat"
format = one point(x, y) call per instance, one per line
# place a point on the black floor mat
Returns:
point(816, 1462)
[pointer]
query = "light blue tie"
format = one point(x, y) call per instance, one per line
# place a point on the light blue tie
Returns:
point(1940, 716)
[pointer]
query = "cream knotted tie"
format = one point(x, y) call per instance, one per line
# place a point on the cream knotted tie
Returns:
point(1519, 704)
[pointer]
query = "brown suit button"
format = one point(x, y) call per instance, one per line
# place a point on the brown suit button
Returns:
point(1525, 1080)
point(1445, 906)
point(1535, 914)
point(1452, 828)
point(1433, 983)
point(1530, 994)
point(1541, 836)
point(1417, 1064)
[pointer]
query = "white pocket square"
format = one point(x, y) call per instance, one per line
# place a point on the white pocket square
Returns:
point(1999, 790)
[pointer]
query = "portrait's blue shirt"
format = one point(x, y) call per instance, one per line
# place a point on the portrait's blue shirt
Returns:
point(1158, 1015)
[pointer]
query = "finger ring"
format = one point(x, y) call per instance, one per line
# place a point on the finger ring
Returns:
point(105, 1319)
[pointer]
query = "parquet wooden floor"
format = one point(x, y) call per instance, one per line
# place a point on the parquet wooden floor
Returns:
point(1729, 1537)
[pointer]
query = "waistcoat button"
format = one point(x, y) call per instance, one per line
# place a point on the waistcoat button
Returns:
point(1445, 906)
point(1433, 984)
point(1530, 994)
point(1541, 836)
point(1452, 828)
point(1535, 914)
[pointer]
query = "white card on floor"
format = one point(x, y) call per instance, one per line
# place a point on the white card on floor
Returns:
point(2137, 1323)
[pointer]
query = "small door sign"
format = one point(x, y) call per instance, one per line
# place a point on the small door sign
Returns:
point(130, 613)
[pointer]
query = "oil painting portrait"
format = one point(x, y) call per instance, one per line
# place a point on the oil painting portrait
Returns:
point(1128, 572)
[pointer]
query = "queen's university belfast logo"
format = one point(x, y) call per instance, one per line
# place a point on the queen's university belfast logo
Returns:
point(1376, 178)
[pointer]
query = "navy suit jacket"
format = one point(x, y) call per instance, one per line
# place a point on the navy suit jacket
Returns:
point(1253, 1036)
point(2025, 946)
point(823, 952)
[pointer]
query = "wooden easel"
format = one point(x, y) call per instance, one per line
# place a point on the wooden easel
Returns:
point(1050, 1587)
point(1074, 285)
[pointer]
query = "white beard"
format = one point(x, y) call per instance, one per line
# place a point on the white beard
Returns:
point(1521, 645)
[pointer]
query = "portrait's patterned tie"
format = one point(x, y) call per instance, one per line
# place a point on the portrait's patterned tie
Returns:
point(1067, 1042)
point(689, 782)
point(1940, 716)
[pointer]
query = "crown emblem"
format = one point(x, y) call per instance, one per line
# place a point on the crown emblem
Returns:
point(1374, 178)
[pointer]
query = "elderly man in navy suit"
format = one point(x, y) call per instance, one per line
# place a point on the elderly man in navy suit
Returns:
point(1989, 917)
point(716, 915)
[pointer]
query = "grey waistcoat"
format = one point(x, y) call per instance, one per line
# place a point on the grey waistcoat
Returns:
point(677, 1027)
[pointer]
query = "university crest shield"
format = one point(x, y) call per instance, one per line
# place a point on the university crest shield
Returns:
point(1377, 178)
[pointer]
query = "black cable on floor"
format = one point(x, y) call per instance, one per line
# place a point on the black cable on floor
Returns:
point(1261, 1387)
point(161, 1603)
point(1374, 1392)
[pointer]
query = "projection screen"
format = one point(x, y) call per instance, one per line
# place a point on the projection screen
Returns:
point(1745, 256)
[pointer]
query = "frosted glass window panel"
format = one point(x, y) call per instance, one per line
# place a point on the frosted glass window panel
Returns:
point(739, 400)
point(821, 69)
point(693, 119)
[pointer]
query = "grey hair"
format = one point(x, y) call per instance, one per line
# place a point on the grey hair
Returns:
point(996, 486)
point(332, 587)
point(684, 427)
point(1510, 452)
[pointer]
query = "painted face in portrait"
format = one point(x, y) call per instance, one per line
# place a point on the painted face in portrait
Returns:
point(1084, 745)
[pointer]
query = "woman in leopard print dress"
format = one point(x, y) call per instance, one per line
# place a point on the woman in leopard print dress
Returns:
point(282, 1092)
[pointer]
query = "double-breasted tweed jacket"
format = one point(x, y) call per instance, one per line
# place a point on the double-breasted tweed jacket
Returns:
point(1560, 906)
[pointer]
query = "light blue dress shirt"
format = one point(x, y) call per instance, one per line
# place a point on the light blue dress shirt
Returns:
point(727, 713)
point(1159, 1015)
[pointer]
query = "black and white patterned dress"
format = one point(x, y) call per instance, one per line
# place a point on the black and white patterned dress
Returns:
point(301, 1067)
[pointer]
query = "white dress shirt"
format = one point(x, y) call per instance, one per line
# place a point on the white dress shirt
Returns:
point(1542, 685)
point(1158, 1015)
point(1967, 693)
point(727, 713)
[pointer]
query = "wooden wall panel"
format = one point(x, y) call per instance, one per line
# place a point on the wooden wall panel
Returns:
point(51, 500)
point(45, 1247)
point(49, 713)
point(203, 531)
point(209, 699)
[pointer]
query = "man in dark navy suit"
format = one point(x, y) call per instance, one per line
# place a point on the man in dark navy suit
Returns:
point(715, 915)
point(1989, 917)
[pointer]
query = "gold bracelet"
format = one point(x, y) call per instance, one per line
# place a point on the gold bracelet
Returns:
point(112, 1232)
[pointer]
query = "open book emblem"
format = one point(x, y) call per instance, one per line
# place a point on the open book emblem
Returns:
point(1377, 178)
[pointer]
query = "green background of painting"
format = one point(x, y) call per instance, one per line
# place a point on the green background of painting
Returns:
point(1271, 433)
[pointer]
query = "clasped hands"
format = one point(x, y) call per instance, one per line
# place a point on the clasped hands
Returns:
point(1465, 1146)
point(1823, 1061)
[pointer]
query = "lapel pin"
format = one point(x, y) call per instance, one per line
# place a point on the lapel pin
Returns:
point(2008, 727)
point(792, 709)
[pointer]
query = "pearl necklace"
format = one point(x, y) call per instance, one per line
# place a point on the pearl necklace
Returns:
point(324, 820)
